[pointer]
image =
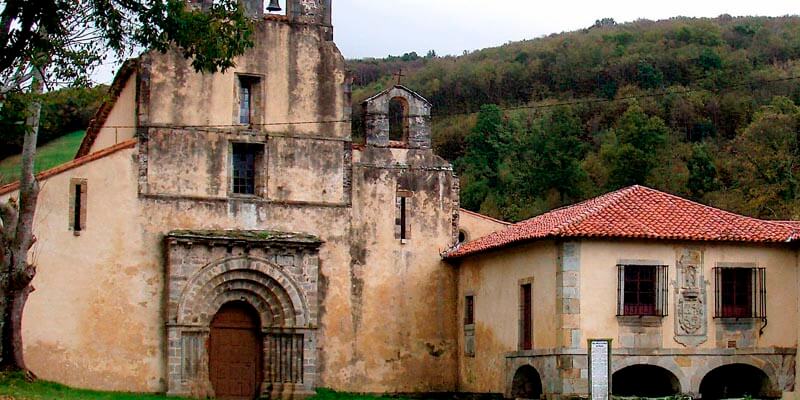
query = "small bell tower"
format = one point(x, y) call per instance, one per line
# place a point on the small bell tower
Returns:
point(399, 118)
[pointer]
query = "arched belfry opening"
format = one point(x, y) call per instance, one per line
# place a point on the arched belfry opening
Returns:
point(239, 322)
point(398, 117)
point(398, 120)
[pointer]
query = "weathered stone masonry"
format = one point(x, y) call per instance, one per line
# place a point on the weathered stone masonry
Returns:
point(276, 273)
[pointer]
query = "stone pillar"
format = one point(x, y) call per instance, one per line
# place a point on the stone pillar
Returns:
point(572, 366)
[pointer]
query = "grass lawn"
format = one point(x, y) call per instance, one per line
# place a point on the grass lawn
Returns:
point(51, 155)
point(13, 386)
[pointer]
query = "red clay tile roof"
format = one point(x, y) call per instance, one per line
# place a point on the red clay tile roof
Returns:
point(13, 186)
point(637, 212)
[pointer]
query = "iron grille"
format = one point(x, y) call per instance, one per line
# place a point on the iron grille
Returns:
point(642, 290)
point(740, 293)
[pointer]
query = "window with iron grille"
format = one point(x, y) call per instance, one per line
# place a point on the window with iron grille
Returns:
point(245, 160)
point(740, 292)
point(642, 290)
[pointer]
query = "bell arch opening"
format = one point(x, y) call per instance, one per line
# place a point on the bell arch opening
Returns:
point(735, 381)
point(398, 119)
point(646, 381)
point(527, 383)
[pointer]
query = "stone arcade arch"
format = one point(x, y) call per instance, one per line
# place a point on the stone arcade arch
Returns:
point(273, 274)
point(643, 380)
point(527, 383)
point(736, 381)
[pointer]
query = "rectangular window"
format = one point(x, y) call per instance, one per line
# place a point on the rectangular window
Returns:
point(245, 102)
point(526, 316)
point(78, 203)
point(642, 290)
point(469, 310)
point(246, 159)
point(740, 292)
point(249, 100)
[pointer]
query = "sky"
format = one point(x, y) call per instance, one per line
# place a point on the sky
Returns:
point(378, 28)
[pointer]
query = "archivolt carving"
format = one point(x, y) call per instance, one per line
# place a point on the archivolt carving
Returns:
point(265, 286)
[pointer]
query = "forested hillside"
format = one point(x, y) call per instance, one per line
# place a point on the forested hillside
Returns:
point(702, 108)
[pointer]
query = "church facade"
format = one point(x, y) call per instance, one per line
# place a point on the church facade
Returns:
point(221, 235)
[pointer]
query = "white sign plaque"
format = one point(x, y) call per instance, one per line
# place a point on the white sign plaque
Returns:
point(599, 369)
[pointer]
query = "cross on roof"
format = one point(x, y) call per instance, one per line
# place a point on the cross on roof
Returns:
point(399, 75)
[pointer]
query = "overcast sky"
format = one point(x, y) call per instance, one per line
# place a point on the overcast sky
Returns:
point(377, 28)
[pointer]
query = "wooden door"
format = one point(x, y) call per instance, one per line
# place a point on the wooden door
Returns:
point(235, 352)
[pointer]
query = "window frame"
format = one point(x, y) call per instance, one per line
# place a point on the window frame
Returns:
point(78, 204)
point(254, 85)
point(259, 171)
point(659, 308)
point(526, 318)
point(402, 223)
point(756, 293)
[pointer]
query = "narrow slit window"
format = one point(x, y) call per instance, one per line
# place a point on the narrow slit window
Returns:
point(245, 102)
point(78, 203)
point(469, 310)
point(526, 316)
point(402, 219)
point(76, 224)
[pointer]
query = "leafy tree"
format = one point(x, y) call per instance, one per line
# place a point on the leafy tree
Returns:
point(702, 173)
point(549, 157)
point(60, 41)
point(768, 151)
point(480, 165)
point(638, 140)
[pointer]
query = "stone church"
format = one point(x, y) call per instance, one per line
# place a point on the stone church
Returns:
point(221, 235)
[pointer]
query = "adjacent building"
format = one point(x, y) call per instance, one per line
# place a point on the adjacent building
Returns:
point(694, 300)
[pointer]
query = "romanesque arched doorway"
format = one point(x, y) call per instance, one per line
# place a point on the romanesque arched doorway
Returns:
point(235, 352)
point(253, 289)
point(644, 381)
point(527, 383)
point(735, 381)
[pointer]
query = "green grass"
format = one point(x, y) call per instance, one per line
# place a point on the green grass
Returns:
point(14, 386)
point(51, 155)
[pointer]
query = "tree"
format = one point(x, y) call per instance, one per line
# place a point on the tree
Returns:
point(633, 156)
point(480, 166)
point(768, 151)
point(549, 157)
point(702, 173)
point(47, 42)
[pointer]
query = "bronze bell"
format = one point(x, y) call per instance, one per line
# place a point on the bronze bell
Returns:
point(274, 5)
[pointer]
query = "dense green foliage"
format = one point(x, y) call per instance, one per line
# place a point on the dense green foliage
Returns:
point(63, 111)
point(703, 108)
point(50, 155)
